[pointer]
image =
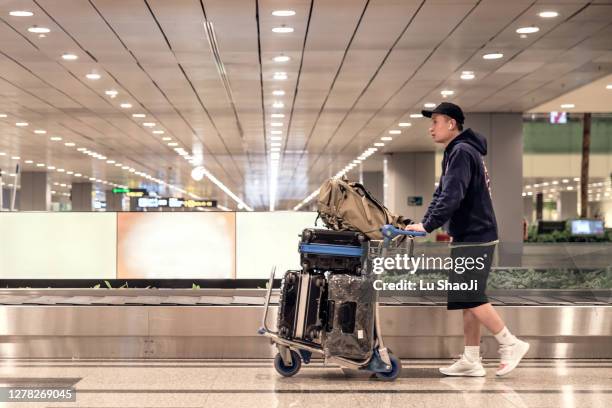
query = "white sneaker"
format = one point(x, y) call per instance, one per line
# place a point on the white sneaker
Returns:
point(511, 356)
point(464, 368)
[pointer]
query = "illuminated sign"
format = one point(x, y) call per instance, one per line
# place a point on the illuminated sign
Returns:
point(173, 202)
point(131, 192)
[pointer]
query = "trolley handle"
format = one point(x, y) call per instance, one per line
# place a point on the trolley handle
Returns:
point(390, 232)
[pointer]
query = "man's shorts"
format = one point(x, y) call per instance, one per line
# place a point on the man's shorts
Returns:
point(472, 264)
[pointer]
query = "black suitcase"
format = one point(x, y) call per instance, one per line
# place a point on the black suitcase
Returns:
point(351, 303)
point(299, 312)
point(331, 262)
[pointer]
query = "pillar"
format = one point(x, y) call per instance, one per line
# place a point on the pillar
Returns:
point(35, 194)
point(81, 196)
point(114, 202)
point(567, 205)
point(373, 182)
point(528, 208)
point(410, 178)
point(539, 206)
point(504, 160)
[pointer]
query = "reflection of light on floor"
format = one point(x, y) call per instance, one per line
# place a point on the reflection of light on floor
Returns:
point(561, 368)
point(567, 396)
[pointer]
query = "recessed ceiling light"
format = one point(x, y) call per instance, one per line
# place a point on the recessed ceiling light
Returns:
point(416, 115)
point(21, 124)
point(280, 75)
point(548, 14)
point(148, 124)
point(172, 144)
point(275, 149)
point(29, 162)
point(282, 30)
point(61, 170)
point(69, 56)
point(275, 144)
point(93, 76)
point(51, 167)
point(281, 58)
point(16, 158)
point(568, 105)
point(447, 92)
point(278, 92)
point(277, 115)
point(126, 105)
point(395, 132)
point(405, 124)
point(283, 13)
point(158, 132)
point(467, 75)
point(81, 149)
point(275, 138)
point(69, 144)
point(276, 132)
point(429, 105)
point(276, 124)
point(76, 174)
point(493, 56)
point(55, 138)
point(165, 139)
point(40, 131)
point(379, 144)
point(386, 138)
point(138, 115)
point(112, 93)
point(38, 30)
point(527, 30)
point(40, 165)
point(3, 115)
point(21, 13)
point(609, 86)
point(278, 105)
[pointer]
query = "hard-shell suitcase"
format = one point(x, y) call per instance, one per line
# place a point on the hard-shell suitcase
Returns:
point(299, 313)
point(351, 302)
point(324, 250)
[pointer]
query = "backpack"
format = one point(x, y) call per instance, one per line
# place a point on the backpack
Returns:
point(346, 206)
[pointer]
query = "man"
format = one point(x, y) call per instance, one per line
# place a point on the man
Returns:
point(463, 199)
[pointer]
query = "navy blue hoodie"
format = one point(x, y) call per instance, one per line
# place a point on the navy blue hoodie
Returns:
point(463, 197)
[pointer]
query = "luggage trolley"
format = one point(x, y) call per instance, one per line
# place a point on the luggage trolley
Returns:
point(380, 361)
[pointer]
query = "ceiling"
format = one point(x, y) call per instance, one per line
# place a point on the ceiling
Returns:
point(595, 97)
point(357, 68)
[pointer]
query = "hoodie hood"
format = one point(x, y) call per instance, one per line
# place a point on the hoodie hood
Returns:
point(477, 141)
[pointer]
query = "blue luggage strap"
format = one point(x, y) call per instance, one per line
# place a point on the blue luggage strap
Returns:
point(330, 249)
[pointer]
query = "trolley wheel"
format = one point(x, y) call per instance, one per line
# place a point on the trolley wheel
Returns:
point(396, 368)
point(288, 371)
point(320, 281)
point(291, 278)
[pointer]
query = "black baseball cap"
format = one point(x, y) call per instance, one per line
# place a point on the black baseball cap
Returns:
point(449, 109)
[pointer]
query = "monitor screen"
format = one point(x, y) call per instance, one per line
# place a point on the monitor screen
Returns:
point(587, 227)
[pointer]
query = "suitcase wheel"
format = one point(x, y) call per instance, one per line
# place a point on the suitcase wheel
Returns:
point(320, 281)
point(288, 371)
point(314, 333)
point(396, 368)
point(291, 278)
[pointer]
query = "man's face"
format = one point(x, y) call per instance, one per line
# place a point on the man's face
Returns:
point(439, 128)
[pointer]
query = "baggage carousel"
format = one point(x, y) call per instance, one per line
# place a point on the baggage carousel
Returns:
point(223, 323)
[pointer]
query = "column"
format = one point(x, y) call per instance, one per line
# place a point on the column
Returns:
point(504, 160)
point(567, 205)
point(528, 208)
point(373, 182)
point(114, 202)
point(539, 206)
point(35, 194)
point(410, 179)
point(81, 196)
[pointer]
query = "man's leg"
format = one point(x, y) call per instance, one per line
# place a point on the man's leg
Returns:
point(471, 329)
point(511, 349)
point(469, 364)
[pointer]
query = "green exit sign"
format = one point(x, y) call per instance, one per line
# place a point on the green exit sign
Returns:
point(121, 190)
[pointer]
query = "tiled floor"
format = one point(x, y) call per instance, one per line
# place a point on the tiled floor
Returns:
point(255, 384)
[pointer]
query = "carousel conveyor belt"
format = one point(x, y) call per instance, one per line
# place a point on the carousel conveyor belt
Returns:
point(223, 323)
